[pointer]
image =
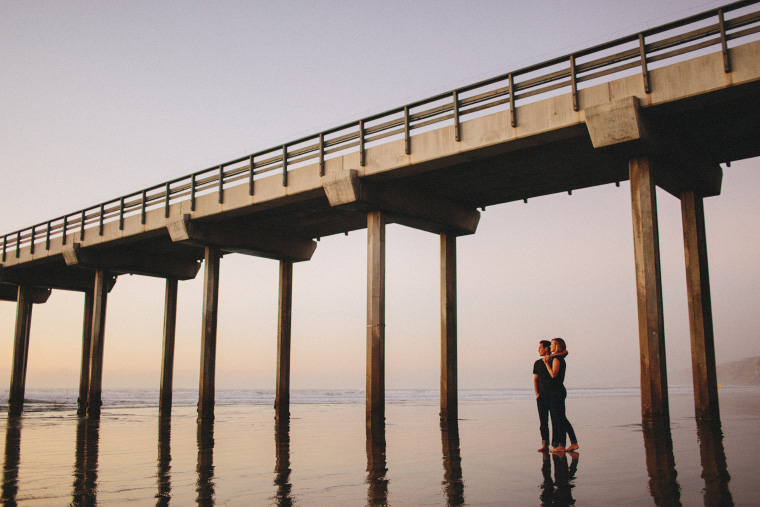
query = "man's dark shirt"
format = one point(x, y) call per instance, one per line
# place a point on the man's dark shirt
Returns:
point(545, 380)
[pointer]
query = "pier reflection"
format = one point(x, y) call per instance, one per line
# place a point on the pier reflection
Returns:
point(453, 483)
point(204, 486)
point(714, 469)
point(86, 462)
point(282, 462)
point(163, 475)
point(377, 481)
point(12, 458)
point(661, 466)
point(559, 489)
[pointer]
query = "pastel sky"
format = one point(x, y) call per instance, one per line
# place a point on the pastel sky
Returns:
point(100, 99)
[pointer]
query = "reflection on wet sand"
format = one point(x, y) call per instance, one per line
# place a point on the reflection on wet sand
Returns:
point(282, 462)
point(163, 476)
point(85, 490)
point(12, 457)
point(558, 491)
point(661, 466)
point(714, 469)
point(377, 490)
point(453, 483)
point(205, 483)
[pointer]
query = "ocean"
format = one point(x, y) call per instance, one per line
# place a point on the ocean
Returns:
point(322, 455)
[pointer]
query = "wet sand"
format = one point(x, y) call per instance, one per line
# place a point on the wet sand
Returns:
point(323, 456)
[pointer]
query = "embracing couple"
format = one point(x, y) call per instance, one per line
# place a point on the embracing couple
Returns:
point(549, 383)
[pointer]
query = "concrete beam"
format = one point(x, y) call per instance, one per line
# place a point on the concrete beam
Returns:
point(9, 292)
point(402, 204)
point(233, 239)
point(615, 122)
point(132, 262)
point(677, 177)
point(53, 277)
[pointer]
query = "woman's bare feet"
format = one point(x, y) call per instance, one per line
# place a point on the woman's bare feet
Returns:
point(558, 449)
point(544, 448)
point(572, 447)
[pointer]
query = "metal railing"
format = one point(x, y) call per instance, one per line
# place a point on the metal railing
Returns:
point(638, 53)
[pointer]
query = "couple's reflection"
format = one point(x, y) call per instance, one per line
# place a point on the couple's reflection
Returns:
point(558, 490)
point(85, 491)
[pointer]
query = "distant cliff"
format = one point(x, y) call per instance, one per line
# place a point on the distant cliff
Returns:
point(745, 372)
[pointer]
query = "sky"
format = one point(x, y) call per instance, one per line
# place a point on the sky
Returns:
point(100, 99)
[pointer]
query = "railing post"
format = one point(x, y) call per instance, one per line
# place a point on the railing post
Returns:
point(644, 69)
point(574, 83)
point(407, 132)
point(251, 169)
point(221, 184)
point(362, 160)
point(284, 165)
point(457, 132)
point(512, 115)
point(724, 42)
point(321, 154)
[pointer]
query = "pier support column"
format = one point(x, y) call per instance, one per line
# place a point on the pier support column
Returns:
point(20, 351)
point(208, 338)
point(654, 383)
point(167, 359)
point(100, 298)
point(282, 397)
point(700, 309)
point(84, 373)
point(449, 399)
point(375, 321)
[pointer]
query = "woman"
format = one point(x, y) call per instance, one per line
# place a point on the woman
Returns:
point(560, 425)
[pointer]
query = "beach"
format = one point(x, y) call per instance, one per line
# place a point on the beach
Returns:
point(322, 455)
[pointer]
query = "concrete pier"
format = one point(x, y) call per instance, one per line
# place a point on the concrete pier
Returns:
point(100, 298)
point(84, 369)
point(20, 351)
point(208, 336)
point(282, 395)
point(449, 394)
point(654, 382)
point(700, 308)
point(375, 321)
point(167, 359)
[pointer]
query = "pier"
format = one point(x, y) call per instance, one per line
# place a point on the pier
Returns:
point(661, 108)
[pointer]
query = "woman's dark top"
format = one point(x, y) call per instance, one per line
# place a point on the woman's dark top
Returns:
point(559, 380)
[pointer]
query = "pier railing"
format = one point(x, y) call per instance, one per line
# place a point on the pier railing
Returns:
point(710, 31)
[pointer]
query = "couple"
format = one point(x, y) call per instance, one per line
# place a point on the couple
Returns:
point(548, 381)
